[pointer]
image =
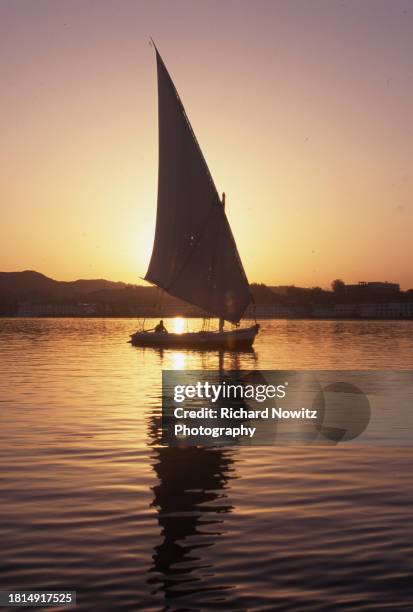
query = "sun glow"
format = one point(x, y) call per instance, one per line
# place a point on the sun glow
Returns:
point(179, 325)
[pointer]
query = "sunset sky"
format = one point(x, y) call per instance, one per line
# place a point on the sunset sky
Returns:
point(303, 109)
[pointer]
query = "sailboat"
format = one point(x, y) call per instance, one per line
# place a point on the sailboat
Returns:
point(194, 257)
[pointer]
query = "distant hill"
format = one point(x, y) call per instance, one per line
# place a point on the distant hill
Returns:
point(31, 285)
point(18, 289)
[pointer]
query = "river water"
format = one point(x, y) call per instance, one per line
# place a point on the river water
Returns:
point(91, 502)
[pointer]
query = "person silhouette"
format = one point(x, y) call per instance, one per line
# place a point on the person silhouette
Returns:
point(160, 328)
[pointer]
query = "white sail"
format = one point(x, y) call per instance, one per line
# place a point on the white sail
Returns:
point(194, 257)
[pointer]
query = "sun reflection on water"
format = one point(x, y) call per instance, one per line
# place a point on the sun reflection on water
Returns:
point(178, 361)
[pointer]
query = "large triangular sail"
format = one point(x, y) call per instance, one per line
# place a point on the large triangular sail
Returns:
point(194, 256)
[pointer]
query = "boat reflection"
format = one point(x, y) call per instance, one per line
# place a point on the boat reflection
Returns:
point(191, 502)
point(171, 359)
point(191, 499)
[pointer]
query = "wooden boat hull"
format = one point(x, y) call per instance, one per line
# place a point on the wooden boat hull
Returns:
point(237, 339)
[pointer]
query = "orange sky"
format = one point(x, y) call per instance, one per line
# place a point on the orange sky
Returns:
point(302, 109)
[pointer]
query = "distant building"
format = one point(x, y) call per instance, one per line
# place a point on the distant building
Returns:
point(336, 311)
point(269, 311)
point(27, 309)
point(383, 310)
point(387, 310)
point(378, 288)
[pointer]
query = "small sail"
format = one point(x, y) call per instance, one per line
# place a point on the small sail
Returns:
point(194, 257)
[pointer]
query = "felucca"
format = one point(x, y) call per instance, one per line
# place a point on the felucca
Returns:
point(194, 257)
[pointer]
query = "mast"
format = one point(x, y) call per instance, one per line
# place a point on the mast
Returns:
point(221, 320)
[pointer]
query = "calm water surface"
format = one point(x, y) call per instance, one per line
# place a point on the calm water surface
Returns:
point(91, 502)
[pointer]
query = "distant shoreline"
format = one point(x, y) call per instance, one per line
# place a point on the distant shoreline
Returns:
point(30, 294)
point(164, 316)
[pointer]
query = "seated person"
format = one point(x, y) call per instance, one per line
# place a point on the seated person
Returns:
point(160, 328)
